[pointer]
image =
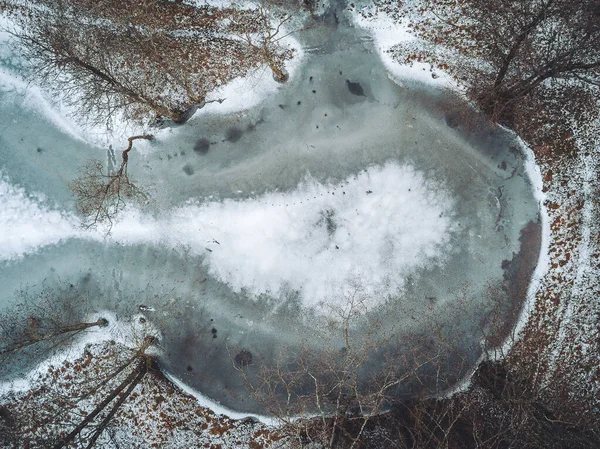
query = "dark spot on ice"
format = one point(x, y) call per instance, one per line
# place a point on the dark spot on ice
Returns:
point(314, 91)
point(189, 368)
point(282, 106)
point(188, 170)
point(299, 103)
point(202, 146)
point(310, 80)
point(505, 264)
point(369, 192)
point(142, 320)
point(243, 358)
point(317, 126)
point(233, 134)
point(503, 165)
point(169, 157)
point(452, 120)
point(355, 89)
point(39, 150)
point(213, 331)
point(340, 72)
point(325, 115)
point(175, 154)
point(182, 153)
point(337, 247)
point(214, 335)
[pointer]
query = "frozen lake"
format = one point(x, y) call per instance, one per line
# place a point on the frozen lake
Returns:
point(264, 223)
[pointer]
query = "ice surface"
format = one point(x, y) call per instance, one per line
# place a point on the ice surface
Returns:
point(378, 226)
point(279, 186)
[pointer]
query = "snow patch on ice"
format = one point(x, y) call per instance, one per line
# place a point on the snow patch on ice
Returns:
point(387, 33)
point(27, 224)
point(243, 93)
point(375, 228)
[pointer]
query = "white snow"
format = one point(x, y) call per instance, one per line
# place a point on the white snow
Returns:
point(386, 33)
point(216, 407)
point(314, 239)
point(246, 92)
point(27, 224)
point(281, 240)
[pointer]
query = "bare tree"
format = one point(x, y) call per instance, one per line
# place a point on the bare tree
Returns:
point(533, 65)
point(327, 396)
point(41, 320)
point(266, 33)
point(101, 196)
point(143, 58)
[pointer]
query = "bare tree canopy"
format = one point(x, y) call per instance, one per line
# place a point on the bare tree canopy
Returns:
point(101, 196)
point(533, 65)
point(146, 58)
point(327, 397)
point(40, 320)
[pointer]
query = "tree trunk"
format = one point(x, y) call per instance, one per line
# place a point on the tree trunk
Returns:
point(280, 75)
point(116, 407)
point(133, 378)
point(36, 338)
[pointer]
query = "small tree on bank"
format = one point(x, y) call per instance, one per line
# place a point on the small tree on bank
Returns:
point(40, 321)
point(101, 196)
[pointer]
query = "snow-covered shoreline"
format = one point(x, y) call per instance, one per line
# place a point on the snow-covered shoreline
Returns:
point(238, 95)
